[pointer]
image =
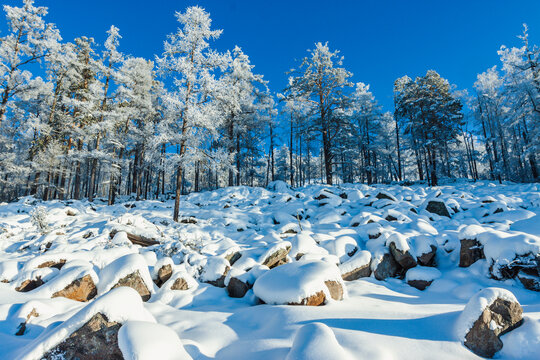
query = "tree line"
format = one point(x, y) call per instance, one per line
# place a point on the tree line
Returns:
point(82, 120)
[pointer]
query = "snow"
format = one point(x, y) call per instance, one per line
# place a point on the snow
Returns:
point(378, 319)
point(476, 306)
point(141, 340)
point(316, 341)
point(293, 282)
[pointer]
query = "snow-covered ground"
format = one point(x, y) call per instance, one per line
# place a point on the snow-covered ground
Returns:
point(328, 232)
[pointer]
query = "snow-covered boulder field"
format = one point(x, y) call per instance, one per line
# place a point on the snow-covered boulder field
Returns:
point(345, 272)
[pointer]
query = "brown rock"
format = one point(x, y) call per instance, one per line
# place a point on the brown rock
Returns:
point(237, 288)
point(529, 281)
point(277, 258)
point(403, 258)
point(233, 257)
point(28, 285)
point(388, 267)
point(97, 339)
point(180, 284)
point(335, 288)
point(164, 274)
point(419, 284)
point(318, 299)
point(82, 289)
point(135, 281)
point(55, 264)
point(470, 252)
point(22, 326)
point(483, 337)
point(363, 271)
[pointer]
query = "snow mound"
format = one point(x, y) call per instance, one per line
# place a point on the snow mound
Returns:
point(122, 267)
point(424, 273)
point(141, 340)
point(476, 306)
point(293, 282)
point(316, 341)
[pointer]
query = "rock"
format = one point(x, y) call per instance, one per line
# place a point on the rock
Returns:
point(237, 288)
point(97, 339)
point(419, 284)
point(437, 207)
point(388, 267)
point(335, 288)
point(82, 289)
point(188, 220)
point(233, 257)
point(164, 274)
point(470, 252)
point(497, 319)
point(180, 284)
point(427, 259)
point(135, 281)
point(360, 272)
point(22, 326)
point(382, 195)
point(403, 258)
point(317, 299)
point(71, 212)
point(30, 284)
point(529, 281)
point(279, 257)
point(55, 264)
point(136, 239)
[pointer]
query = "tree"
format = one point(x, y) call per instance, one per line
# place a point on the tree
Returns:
point(321, 81)
point(190, 62)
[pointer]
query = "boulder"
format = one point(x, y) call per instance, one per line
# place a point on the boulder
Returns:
point(402, 257)
point(136, 239)
point(489, 314)
point(428, 258)
point(383, 195)
point(180, 284)
point(54, 264)
point(470, 252)
point(30, 284)
point(529, 280)
point(233, 257)
point(214, 271)
point(421, 277)
point(164, 273)
point(419, 284)
point(96, 339)
point(135, 281)
point(437, 207)
point(387, 267)
point(237, 288)
point(359, 272)
point(82, 289)
point(277, 258)
point(357, 267)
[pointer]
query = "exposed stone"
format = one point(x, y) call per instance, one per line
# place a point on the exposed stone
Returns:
point(55, 264)
point(97, 339)
point(233, 257)
point(277, 258)
point(82, 289)
point(388, 267)
point(419, 284)
point(529, 281)
point(403, 258)
point(188, 220)
point(180, 284)
point(31, 284)
point(360, 272)
point(470, 252)
point(496, 320)
point(22, 326)
point(317, 299)
point(335, 289)
point(382, 195)
point(237, 288)
point(135, 281)
point(136, 239)
point(427, 259)
point(437, 207)
point(220, 282)
point(164, 274)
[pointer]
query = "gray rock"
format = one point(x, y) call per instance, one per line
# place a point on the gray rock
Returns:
point(470, 252)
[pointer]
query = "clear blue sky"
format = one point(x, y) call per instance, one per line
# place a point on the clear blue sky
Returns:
point(381, 40)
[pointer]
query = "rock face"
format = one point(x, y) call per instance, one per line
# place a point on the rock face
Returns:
point(164, 274)
point(135, 281)
point(82, 289)
point(360, 272)
point(237, 288)
point(97, 339)
point(277, 258)
point(317, 299)
point(403, 258)
point(419, 284)
point(388, 267)
point(437, 207)
point(470, 252)
point(497, 319)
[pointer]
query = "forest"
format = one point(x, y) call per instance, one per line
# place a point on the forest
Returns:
point(85, 120)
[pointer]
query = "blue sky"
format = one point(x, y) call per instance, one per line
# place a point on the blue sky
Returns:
point(380, 40)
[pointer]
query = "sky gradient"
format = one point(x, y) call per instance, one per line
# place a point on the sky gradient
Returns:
point(380, 40)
